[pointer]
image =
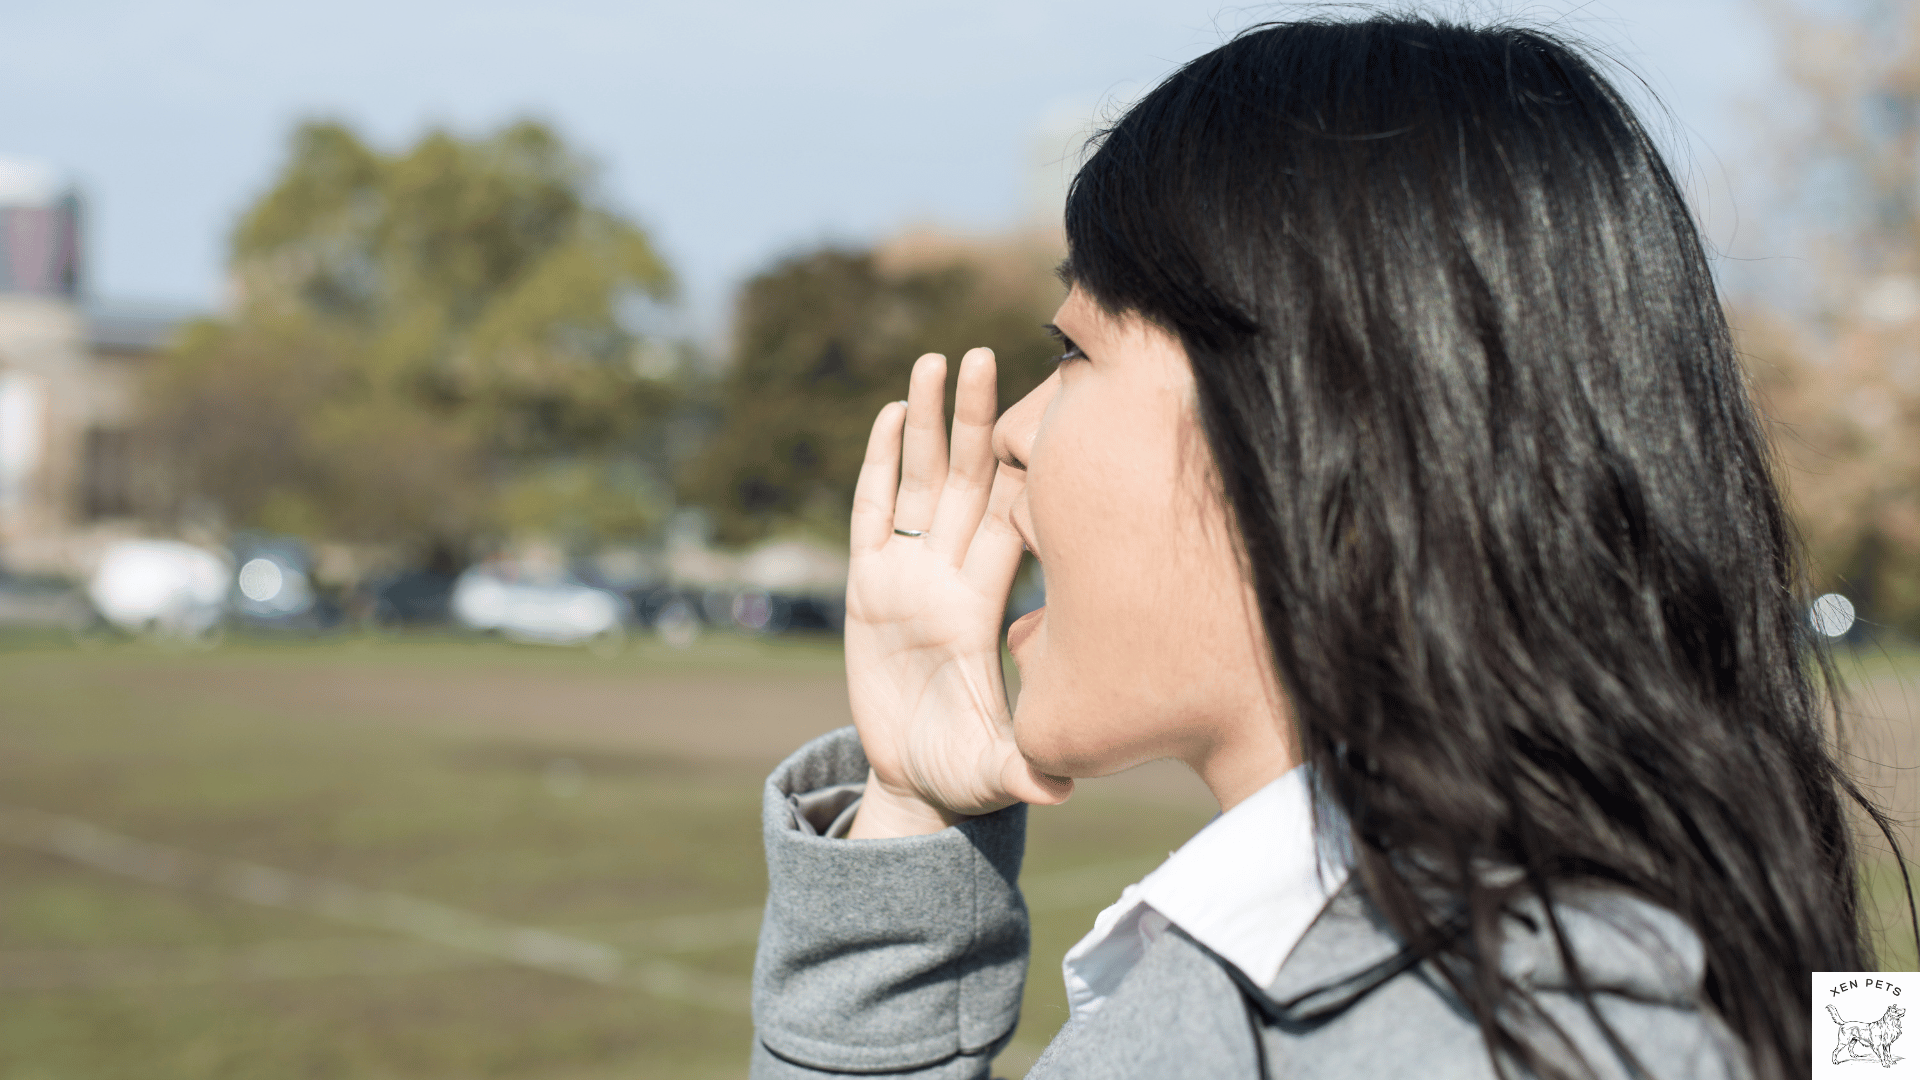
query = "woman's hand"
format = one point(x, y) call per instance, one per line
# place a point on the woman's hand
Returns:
point(924, 612)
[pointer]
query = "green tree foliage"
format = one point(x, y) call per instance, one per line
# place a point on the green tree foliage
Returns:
point(427, 345)
point(825, 338)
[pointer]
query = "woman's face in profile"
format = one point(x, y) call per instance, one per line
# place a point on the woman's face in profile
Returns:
point(1150, 645)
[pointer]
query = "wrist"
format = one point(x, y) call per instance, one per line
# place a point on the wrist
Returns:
point(885, 814)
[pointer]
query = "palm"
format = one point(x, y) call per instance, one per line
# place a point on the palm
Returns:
point(918, 636)
point(923, 613)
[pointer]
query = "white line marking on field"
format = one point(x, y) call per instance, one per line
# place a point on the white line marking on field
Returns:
point(93, 968)
point(687, 933)
point(543, 950)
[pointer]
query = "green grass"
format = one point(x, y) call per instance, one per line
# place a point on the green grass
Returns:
point(1881, 744)
point(150, 743)
point(427, 766)
point(1884, 898)
point(358, 760)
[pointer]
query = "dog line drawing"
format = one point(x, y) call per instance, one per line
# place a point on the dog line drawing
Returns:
point(1860, 1040)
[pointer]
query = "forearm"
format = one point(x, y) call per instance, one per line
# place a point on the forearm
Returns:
point(901, 956)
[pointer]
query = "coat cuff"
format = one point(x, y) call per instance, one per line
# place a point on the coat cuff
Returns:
point(890, 955)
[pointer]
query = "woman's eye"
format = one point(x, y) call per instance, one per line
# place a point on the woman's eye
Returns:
point(1068, 350)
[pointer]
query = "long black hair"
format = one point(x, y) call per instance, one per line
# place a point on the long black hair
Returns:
point(1509, 514)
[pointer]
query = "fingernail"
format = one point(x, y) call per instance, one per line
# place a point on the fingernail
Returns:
point(903, 401)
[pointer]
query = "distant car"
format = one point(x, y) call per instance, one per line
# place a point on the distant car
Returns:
point(554, 612)
point(164, 587)
point(760, 612)
point(43, 603)
point(648, 601)
point(678, 614)
point(408, 598)
point(273, 587)
point(817, 613)
point(673, 614)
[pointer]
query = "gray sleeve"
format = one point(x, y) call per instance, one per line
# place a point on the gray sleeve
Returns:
point(901, 957)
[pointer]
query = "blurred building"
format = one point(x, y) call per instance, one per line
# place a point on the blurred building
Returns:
point(69, 371)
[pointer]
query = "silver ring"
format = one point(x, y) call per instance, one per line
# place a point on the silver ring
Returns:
point(912, 533)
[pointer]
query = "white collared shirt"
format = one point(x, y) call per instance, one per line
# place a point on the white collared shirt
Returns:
point(1247, 887)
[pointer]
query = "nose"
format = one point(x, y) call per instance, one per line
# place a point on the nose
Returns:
point(1014, 434)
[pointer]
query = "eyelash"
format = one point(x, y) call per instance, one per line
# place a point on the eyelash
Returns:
point(1069, 352)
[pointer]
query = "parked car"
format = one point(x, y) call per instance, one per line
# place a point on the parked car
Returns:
point(679, 614)
point(408, 598)
point(555, 611)
point(163, 587)
point(672, 613)
point(825, 614)
point(758, 611)
point(42, 604)
point(273, 587)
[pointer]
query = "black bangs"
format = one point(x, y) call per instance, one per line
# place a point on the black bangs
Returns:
point(1506, 506)
point(1134, 243)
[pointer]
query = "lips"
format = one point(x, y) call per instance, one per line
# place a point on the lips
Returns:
point(1023, 628)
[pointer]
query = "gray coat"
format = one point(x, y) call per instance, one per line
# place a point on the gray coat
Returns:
point(907, 957)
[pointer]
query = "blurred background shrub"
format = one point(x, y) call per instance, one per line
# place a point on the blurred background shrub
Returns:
point(824, 338)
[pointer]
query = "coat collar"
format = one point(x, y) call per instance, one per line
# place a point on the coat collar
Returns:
point(1245, 888)
point(1624, 945)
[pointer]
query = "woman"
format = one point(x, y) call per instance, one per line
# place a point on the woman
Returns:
point(1398, 476)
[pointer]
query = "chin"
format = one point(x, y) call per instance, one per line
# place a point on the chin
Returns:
point(1071, 742)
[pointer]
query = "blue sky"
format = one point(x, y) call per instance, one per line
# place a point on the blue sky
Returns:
point(733, 131)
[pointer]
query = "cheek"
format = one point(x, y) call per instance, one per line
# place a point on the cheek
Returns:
point(1123, 665)
point(1149, 635)
point(1145, 643)
point(1086, 707)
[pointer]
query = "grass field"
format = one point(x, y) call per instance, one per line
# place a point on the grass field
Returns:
point(329, 859)
point(612, 802)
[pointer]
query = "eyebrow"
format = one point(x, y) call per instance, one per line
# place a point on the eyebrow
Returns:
point(1065, 272)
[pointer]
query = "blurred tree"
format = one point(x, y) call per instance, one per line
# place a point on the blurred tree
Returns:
point(1840, 369)
point(823, 339)
point(1847, 429)
point(426, 345)
point(1841, 377)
